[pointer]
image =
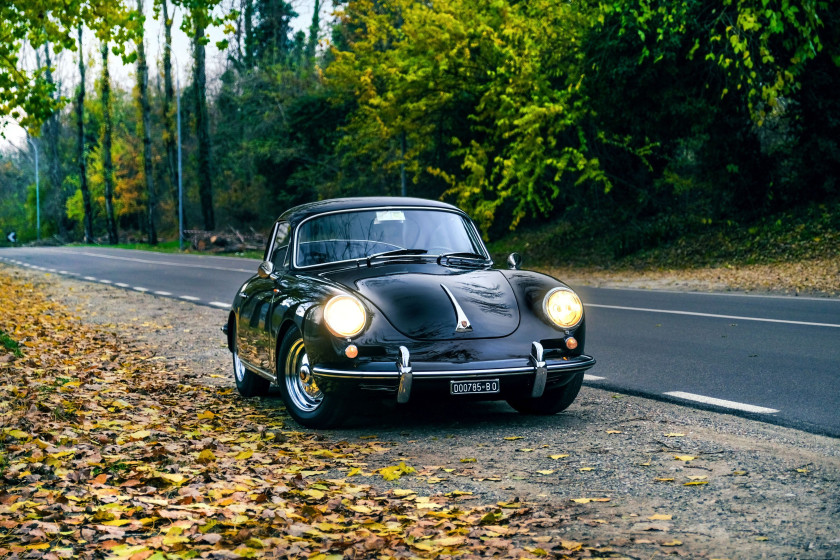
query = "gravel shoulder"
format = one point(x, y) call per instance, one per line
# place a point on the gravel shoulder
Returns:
point(651, 479)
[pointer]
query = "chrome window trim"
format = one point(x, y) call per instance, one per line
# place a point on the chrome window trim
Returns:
point(476, 236)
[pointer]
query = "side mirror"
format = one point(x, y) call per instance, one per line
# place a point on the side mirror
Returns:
point(266, 269)
point(514, 261)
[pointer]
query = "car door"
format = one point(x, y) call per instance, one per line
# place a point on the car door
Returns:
point(254, 327)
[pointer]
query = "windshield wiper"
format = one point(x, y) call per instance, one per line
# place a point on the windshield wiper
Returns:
point(462, 258)
point(396, 253)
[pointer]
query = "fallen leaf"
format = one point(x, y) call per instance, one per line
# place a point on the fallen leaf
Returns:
point(685, 458)
point(512, 438)
point(560, 456)
point(468, 460)
point(674, 434)
point(614, 431)
point(672, 543)
point(696, 483)
point(660, 517)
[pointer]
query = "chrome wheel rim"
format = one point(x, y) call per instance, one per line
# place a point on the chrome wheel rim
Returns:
point(238, 367)
point(304, 393)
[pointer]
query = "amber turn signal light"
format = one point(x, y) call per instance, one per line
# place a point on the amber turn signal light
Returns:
point(351, 351)
point(571, 343)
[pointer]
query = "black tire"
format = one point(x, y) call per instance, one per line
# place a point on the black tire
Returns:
point(554, 400)
point(248, 383)
point(305, 402)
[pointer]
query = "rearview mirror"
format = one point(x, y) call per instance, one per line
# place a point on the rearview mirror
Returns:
point(514, 261)
point(266, 269)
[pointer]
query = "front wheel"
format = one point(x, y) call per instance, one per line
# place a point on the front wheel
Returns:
point(304, 400)
point(554, 400)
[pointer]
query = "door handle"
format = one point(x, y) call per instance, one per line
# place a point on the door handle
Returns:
point(243, 295)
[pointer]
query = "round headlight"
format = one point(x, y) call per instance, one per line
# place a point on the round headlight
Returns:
point(563, 307)
point(345, 316)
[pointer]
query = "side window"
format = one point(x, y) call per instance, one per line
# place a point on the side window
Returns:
point(281, 244)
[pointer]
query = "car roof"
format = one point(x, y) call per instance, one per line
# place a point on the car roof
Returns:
point(299, 213)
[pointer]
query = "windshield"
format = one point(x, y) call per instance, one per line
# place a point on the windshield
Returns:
point(359, 234)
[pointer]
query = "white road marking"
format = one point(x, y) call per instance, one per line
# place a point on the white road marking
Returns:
point(62, 272)
point(91, 278)
point(721, 402)
point(587, 377)
point(122, 285)
point(164, 263)
point(220, 304)
point(714, 316)
point(190, 298)
point(105, 282)
point(140, 289)
point(163, 293)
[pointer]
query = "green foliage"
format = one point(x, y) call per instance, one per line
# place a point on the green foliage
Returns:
point(487, 95)
point(10, 345)
point(26, 95)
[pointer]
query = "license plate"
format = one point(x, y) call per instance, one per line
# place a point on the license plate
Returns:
point(474, 387)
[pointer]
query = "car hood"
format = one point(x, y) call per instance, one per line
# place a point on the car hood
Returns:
point(418, 306)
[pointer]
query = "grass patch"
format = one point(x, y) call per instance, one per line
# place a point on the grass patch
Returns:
point(172, 247)
point(10, 345)
point(675, 242)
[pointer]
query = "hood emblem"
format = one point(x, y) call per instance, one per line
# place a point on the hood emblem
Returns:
point(462, 324)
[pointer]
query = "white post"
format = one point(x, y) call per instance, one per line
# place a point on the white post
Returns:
point(37, 190)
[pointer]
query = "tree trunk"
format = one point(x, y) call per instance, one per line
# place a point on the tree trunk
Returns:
point(205, 182)
point(52, 131)
point(107, 162)
point(249, 33)
point(146, 125)
point(80, 123)
point(169, 139)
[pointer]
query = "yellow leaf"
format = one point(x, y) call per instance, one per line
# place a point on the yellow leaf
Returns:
point(546, 472)
point(674, 542)
point(613, 431)
point(803, 470)
point(696, 483)
point(762, 538)
point(685, 458)
point(511, 438)
point(660, 517)
point(355, 471)
point(359, 508)
point(587, 500)
point(468, 460)
point(206, 415)
point(663, 479)
point(674, 434)
point(555, 457)
point(586, 469)
point(140, 434)
point(571, 545)
point(509, 505)
point(402, 492)
point(244, 455)
point(449, 541)
point(313, 493)
point(206, 457)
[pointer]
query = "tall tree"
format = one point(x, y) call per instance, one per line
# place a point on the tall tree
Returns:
point(52, 133)
point(145, 131)
point(107, 161)
point(169, 124)
point(202, 125)
point(80, 126)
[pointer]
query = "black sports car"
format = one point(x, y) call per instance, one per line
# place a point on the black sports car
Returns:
point(398, 297)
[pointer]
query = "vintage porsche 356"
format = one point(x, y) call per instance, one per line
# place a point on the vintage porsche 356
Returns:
point(398, 298)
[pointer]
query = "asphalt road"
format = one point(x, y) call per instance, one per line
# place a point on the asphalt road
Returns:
point(776, 359)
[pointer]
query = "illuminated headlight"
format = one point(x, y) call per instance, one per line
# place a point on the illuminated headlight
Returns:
point(345, 316)
point(563, 307)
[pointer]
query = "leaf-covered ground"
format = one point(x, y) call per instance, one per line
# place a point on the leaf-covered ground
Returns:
point(106, 453)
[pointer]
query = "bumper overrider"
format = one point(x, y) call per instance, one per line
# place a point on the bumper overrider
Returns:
point(534, 368)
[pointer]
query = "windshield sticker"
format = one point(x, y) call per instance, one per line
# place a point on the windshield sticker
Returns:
point(390, 216)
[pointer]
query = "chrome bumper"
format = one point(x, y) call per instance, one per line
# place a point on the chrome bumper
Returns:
point(405, 374)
